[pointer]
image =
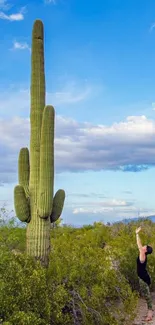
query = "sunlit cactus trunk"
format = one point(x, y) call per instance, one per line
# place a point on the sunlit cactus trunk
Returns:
point(38, 238)
point(33, 197)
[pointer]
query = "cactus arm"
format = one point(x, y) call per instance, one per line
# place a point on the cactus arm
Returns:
point(21, 191)
point(46, 163)
point(21, 203)
point(58, 203)
point(24, 170)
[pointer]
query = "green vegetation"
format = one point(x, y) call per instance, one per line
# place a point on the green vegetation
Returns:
point(91, 278)
point(33, 197)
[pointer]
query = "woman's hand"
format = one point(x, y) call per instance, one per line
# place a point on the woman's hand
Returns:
point(137, 230)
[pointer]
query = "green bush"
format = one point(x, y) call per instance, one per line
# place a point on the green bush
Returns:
point(11, 235)
point(82, 285)
point(22, 318)
point(23, 290)
point(92, 289)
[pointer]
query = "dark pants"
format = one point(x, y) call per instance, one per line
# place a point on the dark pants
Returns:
point(145, 291)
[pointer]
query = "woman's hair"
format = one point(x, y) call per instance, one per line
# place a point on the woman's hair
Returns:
point(149, 250)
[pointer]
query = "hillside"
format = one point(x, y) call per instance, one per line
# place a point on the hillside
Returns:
point(129, 220)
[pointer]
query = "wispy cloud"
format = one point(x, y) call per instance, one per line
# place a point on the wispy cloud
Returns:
point(20, 46)
point(87, 215)
point(109, 213)
point(69, 95)
point(20, 98)
point(127, 192)
point(72, 92)
point(152, 27)
point(87, 195)
point(100, 207)
point(103, 212)
point(50, 2)
point(4, 5)
point(13, 17)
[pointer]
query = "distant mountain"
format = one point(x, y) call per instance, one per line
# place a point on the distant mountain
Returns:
point(126, 221)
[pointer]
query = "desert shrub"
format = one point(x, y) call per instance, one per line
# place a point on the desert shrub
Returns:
point(24, 318)
point(12, 235)
point(81, 285)
point(93, 290)
point(23, 290)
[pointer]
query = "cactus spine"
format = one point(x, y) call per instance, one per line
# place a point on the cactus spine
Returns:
point(33, 197)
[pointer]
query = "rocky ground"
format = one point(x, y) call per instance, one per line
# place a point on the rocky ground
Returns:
point(142, 312)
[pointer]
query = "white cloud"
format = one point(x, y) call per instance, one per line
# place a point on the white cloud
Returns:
point(13, 17)
point(13, 138)
point(16, 98)
point(127, 145)
point(103, 206)
point(92, 210)
point(21, 46)
point(85, 215)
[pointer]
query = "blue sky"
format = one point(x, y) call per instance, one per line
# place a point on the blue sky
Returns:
point(100, 68)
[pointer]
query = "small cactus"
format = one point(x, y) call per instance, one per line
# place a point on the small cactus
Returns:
point(33, 197)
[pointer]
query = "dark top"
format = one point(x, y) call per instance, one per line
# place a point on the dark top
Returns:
point(142, 272)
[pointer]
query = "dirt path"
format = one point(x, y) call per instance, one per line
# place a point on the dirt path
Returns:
point(142, 311)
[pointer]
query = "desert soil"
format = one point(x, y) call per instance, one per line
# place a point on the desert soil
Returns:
point(142, 312)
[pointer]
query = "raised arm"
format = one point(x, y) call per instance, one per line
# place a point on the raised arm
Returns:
point(139, 244)
point(142, 256)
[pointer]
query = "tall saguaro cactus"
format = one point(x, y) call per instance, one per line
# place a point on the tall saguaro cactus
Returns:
point(33, 197)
